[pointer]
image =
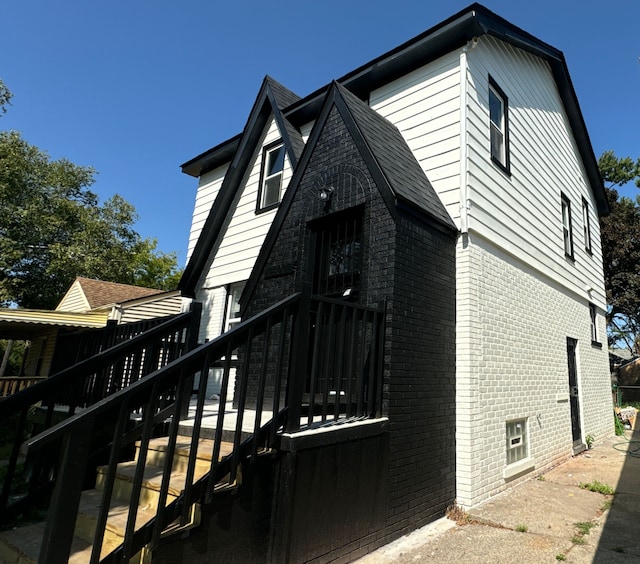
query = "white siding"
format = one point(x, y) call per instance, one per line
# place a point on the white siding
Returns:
point(208, 187)
point(522, 213)
point(234, 258)
point(237, 253)
point(171, 305)
point(425, 106)
point(213, 306)
point(74, 299)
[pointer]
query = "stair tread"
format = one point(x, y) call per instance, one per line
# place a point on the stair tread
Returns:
point(183, 446)
point(90, 503)
point(25, 541)
point(152, 478)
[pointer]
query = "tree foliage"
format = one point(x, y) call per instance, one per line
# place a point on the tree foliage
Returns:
point(620, 232)
point(5, 98)
point(53, 228)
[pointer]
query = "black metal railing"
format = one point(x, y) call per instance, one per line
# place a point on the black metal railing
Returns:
point(76, 346)
point(271, 351)
point(57, 397)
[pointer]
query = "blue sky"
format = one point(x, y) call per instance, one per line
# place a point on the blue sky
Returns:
point(134, 88)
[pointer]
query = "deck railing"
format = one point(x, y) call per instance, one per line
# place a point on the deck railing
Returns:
point(276, 354)
point(10, 385)
point(57, 397)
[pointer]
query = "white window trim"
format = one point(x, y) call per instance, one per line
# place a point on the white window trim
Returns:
point(268, 150)
point(234, 289)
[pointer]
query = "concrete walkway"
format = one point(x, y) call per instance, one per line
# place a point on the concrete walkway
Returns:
point(546, 519)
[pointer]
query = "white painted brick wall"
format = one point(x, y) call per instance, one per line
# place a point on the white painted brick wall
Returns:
point(513, 324)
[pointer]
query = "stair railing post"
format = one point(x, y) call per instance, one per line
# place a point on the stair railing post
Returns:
point(191, 342)
point(65, 501)
point(298, 371)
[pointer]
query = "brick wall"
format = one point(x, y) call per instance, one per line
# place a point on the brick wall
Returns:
point(412, 264)
point(513, 326)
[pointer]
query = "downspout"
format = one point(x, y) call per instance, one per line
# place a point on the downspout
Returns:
point(464, 162)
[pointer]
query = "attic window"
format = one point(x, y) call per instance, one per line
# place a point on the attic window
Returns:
point(271, 177)
point(498, 125)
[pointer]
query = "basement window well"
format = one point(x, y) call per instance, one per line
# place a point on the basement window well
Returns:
point(517, 448)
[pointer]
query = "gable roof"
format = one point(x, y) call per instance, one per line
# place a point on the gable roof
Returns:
point(271, 98)
point(396, 172)
point(453, 33)
point(403, 174)
point(98, 293)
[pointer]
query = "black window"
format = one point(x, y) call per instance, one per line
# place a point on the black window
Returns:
point(586, 222)
point(499, 125)
point(567, 230)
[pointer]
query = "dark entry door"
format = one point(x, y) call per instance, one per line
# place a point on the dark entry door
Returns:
point(574, 393)
point(335, 326)
point(338, 257)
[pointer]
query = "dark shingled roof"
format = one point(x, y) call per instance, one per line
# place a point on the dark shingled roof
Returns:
point(393, 166)
point(402, 171)
point(270, 101)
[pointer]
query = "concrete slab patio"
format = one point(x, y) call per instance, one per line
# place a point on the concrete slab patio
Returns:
point(549, 518)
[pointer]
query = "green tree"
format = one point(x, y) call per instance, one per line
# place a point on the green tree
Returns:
point(53, 228)
point(5, 98)
point(620, 232)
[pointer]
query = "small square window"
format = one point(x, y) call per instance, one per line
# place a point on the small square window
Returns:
point(498, 125)
point(517, 442)
point(586, 222)
point(271, 177)
point(567, 230)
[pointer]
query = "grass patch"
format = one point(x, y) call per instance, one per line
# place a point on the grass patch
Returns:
point(597, 487)
point(560, 557)
point(606, 504)
point(522, 528)
point(584, 527)
point(578, 539)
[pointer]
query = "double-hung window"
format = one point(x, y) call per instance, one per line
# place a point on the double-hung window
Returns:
point(567, 232)
point(586, 222)
point(271, 176)
point(499, 125)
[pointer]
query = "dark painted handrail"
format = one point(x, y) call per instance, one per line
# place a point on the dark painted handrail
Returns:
point(62, 393)
point(271, 352)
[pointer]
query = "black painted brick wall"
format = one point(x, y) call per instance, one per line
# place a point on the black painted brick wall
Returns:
point(411, 263)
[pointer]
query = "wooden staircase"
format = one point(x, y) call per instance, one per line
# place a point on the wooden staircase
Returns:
point(138, 501)
point(22, 545)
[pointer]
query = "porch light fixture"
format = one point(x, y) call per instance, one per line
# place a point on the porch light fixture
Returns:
point(326, 192)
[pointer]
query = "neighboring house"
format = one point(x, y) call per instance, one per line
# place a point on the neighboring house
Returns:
point(454, 177)
point(88, 304)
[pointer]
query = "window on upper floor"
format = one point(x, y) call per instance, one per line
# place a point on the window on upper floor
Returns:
point(567, 232)
point(499, 125)
point(271, 176)
point(586, 223)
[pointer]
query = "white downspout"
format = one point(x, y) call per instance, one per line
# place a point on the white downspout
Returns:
point(464, 162)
